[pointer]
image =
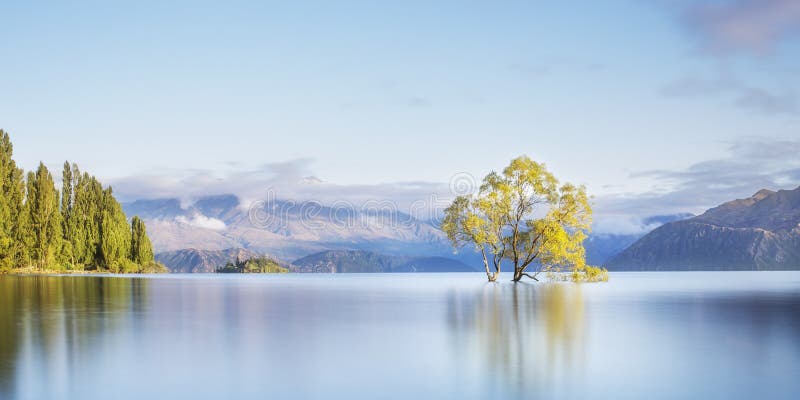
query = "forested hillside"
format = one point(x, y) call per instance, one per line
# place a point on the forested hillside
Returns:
point(82, 227)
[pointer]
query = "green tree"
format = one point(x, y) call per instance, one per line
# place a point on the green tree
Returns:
point(22, 237)
point(45, 217)
point(524, 216)
point(82, 226)
point(66, 190)
point(6, 242)
point(87, 217)
point(115, 234)
point(68, 222)
point(12, 196)
point(141, 248)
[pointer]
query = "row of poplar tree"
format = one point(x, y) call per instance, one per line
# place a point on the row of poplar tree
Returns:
point(82, 227)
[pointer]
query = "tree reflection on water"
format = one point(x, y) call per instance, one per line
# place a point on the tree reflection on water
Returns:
point(530, 335)
point(48, 324)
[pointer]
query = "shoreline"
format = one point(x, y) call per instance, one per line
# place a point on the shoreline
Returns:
point(36, 271)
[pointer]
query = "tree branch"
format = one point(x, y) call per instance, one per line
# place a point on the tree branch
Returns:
point(529, 276)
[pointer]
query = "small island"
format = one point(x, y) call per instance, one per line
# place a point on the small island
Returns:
point(259, 265)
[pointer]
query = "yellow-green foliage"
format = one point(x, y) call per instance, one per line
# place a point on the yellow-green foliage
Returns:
point(578, 273)
point(589, 273)
point(526, 217)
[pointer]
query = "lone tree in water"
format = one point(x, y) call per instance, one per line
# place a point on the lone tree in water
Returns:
point(524, 216)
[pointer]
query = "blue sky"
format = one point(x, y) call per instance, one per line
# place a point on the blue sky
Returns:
point(632, 98)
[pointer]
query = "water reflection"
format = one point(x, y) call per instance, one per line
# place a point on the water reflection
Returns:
point(444, 336)
point(49, 326)
point(528, 335)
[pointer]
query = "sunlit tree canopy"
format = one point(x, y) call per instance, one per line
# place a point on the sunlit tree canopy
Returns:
point(524, 216)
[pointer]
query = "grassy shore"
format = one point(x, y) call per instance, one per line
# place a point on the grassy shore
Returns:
point(39, 271)
point(47, 271)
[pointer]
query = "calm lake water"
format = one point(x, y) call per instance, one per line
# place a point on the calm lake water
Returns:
point(377, 336)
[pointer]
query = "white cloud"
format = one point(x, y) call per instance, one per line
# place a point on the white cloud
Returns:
point(201, 221)
point(290, 181)
point(623, 224)
point(752, 164)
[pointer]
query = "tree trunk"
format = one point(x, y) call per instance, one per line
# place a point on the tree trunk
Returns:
point(518, 270)
point(517, 275)
point(491, 276)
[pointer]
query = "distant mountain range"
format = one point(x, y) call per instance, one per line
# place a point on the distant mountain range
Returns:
point(761, 232)
point(216, 229)
point(285, 230)
point(331, 261)
point(213, 225)
point(344, 261)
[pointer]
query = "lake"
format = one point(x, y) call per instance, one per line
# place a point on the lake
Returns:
point(661, 335)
